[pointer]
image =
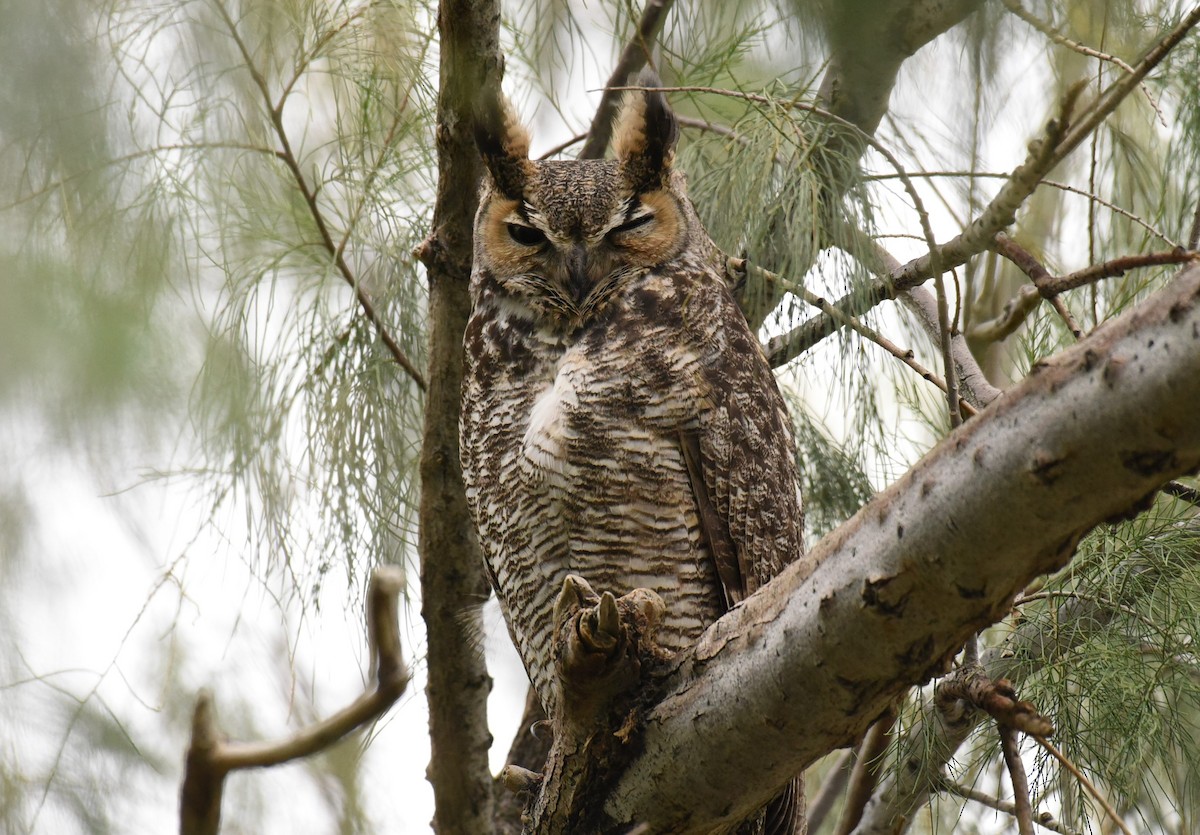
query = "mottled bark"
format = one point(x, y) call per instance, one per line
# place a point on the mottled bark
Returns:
point(939, 555)
point(453, 584)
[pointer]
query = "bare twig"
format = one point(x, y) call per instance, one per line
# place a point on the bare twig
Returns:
point(1037, 23)
point(562, 146)
point(1016, 771)
point(210, 758)
point(288, 156)
point(1010, 318)
point(1084, 781)
point(1044, 819)
point(1038, 274)
point(635, 56)
point(1193, 239)
point(1115, 267)
point(866, 770)
point(906, 356)
point(947, 354)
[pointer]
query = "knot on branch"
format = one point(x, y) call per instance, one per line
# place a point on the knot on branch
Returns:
point(971, 689)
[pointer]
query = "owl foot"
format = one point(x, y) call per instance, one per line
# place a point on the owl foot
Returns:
point(600, 643)
point(603, 648)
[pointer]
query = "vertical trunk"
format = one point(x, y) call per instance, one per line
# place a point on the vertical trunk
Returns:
point(453, 585)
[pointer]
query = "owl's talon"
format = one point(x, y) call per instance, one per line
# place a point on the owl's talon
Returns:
point(576, 593)
point(600, 628)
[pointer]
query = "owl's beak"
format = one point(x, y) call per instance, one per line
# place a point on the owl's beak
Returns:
point(578, 283)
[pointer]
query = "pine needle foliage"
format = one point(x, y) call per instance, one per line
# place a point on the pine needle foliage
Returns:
point(207, 218)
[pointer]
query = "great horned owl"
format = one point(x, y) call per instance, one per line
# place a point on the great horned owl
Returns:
point(619, 419)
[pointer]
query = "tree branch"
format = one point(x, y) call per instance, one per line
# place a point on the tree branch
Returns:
point(1037, 273)
point(1053, 286)
point(1016, 770)
point(210, 758)
point(453, 584)
point(288, 156)
point(1087, 438)
point(865, 772)
point(833, 785)
point(1044, 820)
point(635, 56)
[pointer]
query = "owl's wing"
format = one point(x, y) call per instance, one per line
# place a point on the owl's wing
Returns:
point(740, 457)
point(713, 528)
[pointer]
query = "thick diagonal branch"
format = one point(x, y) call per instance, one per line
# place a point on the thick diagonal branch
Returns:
point(1088, 438)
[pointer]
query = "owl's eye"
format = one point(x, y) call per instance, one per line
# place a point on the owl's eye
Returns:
point(526, 235)
point(630, 225)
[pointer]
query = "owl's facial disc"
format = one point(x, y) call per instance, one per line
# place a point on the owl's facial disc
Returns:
point(567, 259)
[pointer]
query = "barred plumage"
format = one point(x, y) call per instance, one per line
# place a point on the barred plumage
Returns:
point(619, 420)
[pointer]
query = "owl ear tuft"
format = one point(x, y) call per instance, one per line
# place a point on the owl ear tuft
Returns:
point(645, 132)
point(503, 143)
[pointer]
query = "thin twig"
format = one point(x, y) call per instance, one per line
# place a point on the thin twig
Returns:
point(635, 56)
point(1016, 771)
point(866, 771)
point(1193, 239)
point(1044, 820)
point(562, 146)
point(1015, 312)
point(1084, 781)
point(905, 356)
point(1037, 273)
point(275, 111)
point(1113, 268)
point(1037, 23)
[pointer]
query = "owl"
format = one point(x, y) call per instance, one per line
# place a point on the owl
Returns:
point(619, 419)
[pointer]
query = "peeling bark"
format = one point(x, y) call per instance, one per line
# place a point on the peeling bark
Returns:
point(806, 665)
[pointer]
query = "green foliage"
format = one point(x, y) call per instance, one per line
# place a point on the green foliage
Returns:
point(193, 196)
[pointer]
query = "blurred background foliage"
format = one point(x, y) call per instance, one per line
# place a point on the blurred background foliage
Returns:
point(207, 444)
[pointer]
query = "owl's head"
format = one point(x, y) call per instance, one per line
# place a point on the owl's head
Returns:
point(563, 237)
